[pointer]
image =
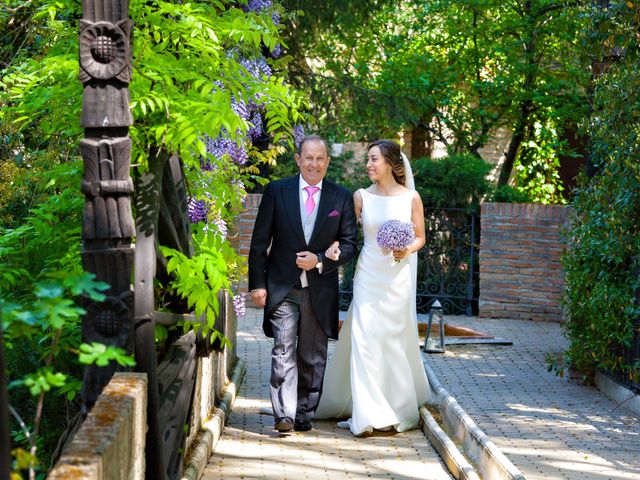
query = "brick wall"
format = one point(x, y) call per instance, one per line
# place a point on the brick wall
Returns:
point(520, 272)
point(359, 150)
point(244, 228)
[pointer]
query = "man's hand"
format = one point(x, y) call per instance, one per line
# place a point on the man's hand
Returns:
point(259, 297)
point(306, 260)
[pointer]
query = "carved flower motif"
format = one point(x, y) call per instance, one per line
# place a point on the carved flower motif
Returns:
point(109, 321)
point(104, 49)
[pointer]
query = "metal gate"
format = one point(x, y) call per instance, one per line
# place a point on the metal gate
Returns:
point(447, 265)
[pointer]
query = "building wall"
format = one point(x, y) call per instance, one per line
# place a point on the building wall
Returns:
point(520, 272)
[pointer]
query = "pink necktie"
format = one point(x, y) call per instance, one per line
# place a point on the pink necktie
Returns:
point(310, 204)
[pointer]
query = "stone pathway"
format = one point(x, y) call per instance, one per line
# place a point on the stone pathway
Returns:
point(251, 449)
point(548, 427)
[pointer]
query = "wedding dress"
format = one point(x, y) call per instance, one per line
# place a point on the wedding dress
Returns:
point(375, 375)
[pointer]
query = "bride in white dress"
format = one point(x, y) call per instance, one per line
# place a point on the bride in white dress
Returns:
point(375, 377)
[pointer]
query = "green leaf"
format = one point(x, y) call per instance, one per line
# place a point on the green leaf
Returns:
point(101, 355)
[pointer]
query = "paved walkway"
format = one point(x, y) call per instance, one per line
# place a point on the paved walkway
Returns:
point(548, 427)
point(251, 449)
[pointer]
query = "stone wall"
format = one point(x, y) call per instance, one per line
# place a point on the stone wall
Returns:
point(520, 272)
point(110, 443)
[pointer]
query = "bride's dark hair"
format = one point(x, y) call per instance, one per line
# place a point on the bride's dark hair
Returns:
point(392, 154)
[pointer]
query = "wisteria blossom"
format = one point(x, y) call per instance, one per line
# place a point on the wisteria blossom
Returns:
point(298, 135)
point(224, 145)
point(240, 305)
point(197, 210)
point(257, 5)
point(221, 225)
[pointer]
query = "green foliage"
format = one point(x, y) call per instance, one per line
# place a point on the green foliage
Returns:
point(509, 194)
point(102, 355)
point(456, 181)
point(199, 278)
point(537, 168)
point(455, 70)
point(187, 69)
point(602, 261)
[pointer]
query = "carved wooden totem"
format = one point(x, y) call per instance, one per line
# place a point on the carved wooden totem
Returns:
point(105, 72)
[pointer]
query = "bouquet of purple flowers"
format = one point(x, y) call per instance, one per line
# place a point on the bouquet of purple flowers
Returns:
point(395, 235)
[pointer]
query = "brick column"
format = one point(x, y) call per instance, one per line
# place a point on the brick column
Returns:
point(244, 228)
point(520, 272)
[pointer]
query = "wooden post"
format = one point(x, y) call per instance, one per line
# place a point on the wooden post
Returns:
point(105, 72)
point(5, 444)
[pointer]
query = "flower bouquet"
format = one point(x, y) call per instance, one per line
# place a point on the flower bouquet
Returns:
point(395, 235)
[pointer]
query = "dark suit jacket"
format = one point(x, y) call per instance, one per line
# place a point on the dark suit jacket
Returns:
point(279, 224)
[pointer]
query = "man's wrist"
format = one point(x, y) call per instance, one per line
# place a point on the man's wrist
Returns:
point(319, 263)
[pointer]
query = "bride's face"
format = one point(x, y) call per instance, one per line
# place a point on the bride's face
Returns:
point(377, 166)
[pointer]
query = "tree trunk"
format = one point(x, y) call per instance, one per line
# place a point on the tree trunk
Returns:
point(516, 140)
point(526, 107)
point(421, 141)
point(5, 444)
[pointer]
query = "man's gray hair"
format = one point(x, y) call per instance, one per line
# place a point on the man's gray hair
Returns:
point(312, 138)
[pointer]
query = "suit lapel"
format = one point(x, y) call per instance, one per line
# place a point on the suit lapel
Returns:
point(327, 199)
point(292, 205)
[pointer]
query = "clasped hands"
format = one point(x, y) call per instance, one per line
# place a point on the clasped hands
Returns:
point(308, 260)
point(397, 254)
point(304, 260)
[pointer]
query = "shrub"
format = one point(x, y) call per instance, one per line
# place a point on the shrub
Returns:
point(601, 263)
point(509, 194)
point(456, 181)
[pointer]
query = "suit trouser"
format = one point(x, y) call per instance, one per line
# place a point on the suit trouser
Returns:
point(298, 358)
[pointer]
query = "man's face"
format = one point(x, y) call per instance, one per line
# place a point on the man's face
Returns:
point(313, 161)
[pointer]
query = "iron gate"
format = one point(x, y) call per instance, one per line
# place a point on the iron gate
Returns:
point(447, 265)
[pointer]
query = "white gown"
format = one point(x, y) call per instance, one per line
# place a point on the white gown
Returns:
point(375, 375)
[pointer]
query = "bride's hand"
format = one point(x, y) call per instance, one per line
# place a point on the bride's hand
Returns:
point(333, 252)
point(400, 254)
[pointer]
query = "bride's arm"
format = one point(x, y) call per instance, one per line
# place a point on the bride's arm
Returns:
point(357, 203)
point(333, 252)
point(417, 218)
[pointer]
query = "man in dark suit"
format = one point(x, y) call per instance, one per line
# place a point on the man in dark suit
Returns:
point(296, 283)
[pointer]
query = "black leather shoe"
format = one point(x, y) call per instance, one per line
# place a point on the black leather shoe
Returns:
point(284, 424)
point(302, 425)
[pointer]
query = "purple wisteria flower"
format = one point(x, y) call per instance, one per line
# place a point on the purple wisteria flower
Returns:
point(257, 5)
point(240, 305)
point(257, 66)
point(222, 145)
point(221, 225)
point(395, 235)
point(276, 52)
point(298, 135)
point(255, 131)
point(197, 210)
point(240, 108)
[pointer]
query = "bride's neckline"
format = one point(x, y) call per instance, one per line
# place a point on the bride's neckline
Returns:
point(386, 196)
